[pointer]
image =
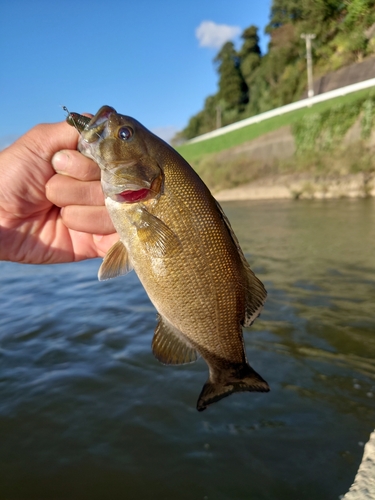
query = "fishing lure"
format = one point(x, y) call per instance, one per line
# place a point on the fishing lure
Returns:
point(76, 120)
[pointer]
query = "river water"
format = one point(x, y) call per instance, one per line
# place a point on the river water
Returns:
point(86, 412)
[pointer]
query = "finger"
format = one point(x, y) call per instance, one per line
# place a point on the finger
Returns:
point(75, 164)
point(94, 220)
point(62, 191)
point(104, 243)
point(46, 139)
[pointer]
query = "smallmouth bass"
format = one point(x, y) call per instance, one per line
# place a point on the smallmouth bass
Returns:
point(176, 237)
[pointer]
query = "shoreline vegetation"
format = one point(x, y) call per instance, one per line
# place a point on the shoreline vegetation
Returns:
point(326, 151)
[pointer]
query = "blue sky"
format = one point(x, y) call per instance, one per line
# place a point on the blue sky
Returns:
point(148, 59)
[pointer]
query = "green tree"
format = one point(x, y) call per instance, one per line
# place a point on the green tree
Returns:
point(250, 83)
point(359, 16)
point(359, 13)
point(233, 90)
point(250, 54)
point(202, 122)
point(284, 12)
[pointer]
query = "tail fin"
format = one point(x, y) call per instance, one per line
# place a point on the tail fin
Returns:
point(247, 380)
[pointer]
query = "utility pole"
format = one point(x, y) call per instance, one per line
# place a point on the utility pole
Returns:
point(218, 116)
point(308, 38)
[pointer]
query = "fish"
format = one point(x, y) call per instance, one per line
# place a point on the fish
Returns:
point(177, 238)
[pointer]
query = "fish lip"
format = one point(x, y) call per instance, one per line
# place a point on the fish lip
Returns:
point(114, 192)
point(88, 149)
point(83, 145)
point(128, 182)
point(97, 126)
point(143, 192)
point(133, 195)
point(133, 192)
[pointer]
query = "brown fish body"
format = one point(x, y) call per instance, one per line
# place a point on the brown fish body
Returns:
point(184, 251)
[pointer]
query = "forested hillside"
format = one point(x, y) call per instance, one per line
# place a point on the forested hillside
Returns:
point(250, 83)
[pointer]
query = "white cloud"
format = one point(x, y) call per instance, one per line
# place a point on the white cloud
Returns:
point(215, 35)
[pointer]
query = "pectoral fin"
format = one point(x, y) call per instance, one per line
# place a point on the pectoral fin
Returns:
point(169, 345)
point(115, 263)
point(158, 239)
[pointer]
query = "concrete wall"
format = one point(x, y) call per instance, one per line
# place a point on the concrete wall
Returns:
point(357, 72)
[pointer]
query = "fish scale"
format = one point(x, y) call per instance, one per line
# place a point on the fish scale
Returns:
point(198, 277)
point(180, 243)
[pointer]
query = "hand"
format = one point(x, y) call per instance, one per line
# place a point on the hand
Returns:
point(33, 227)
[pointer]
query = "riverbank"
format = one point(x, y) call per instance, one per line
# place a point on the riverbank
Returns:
point(324, 154)
point(302, 186)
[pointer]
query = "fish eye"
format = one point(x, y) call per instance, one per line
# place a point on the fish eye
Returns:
point(125, 133)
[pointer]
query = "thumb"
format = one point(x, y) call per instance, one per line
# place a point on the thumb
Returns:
point(47, 138)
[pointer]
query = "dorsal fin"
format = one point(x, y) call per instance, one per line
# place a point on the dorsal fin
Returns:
point(115, 263)
point(256, 294)
point(169, 345)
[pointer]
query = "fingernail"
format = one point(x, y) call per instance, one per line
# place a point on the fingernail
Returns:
point(98, 237)
point(60, 161)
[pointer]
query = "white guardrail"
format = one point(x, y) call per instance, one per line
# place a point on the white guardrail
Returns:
point(285, 109)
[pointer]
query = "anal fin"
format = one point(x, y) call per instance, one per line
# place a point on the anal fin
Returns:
point(169, 345)
point(115, 263)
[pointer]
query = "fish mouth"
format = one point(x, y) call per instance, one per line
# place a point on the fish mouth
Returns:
point(129, 193)
point(133, 195)
point(97, 125)
point(133, 191)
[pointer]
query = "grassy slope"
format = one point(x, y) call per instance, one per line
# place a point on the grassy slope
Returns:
point(196, 151)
